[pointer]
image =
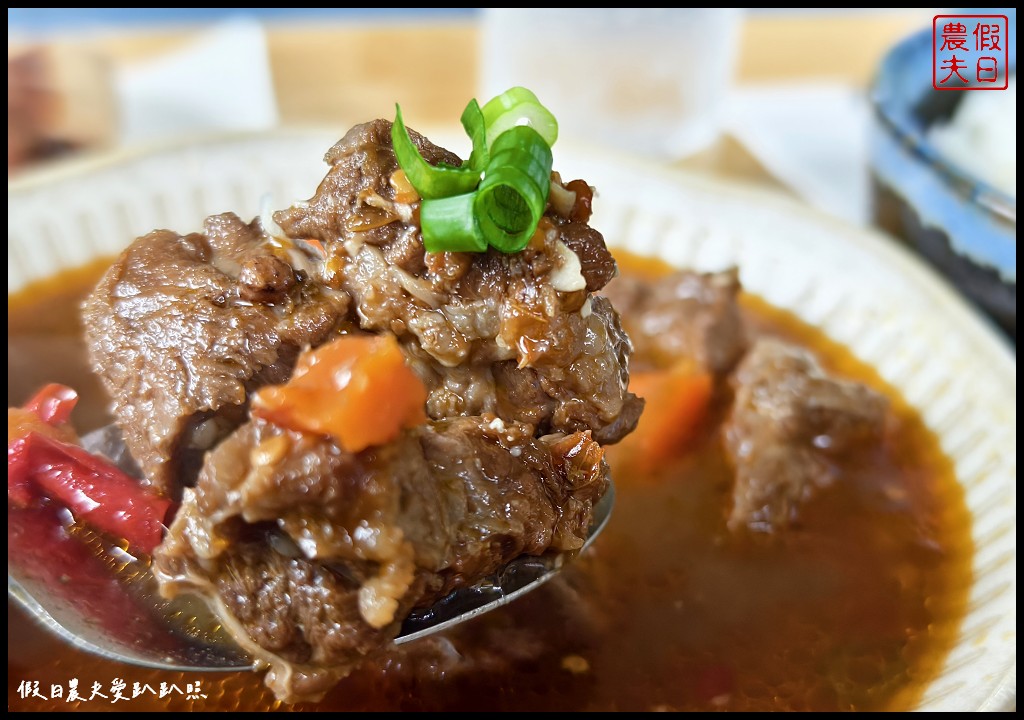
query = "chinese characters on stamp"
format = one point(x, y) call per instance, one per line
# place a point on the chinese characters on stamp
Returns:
point(970, 52)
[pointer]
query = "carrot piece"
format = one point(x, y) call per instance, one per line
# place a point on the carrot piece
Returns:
point(676, 403)
point(357, 389)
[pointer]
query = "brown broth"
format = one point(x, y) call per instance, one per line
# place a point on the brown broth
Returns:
point(855, 610)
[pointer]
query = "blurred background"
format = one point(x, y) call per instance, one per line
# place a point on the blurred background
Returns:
point(834, 106)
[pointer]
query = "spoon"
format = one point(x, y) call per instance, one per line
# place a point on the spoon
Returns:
point(105, 601)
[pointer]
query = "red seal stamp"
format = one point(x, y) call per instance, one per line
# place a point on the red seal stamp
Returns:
point(970, 52)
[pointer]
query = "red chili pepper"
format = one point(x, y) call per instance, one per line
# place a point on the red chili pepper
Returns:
point(93, 489)
point(19, 485)
point(53, 404)
point(95, 492)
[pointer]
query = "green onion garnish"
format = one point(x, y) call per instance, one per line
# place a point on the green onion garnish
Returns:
point(504, 210)
point(519, 106)
point(476, 127)
point(430, 181)
point(449, 225)
point(512, 137)
point(511, 199)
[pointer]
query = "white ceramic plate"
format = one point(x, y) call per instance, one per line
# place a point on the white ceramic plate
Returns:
point(858, 286)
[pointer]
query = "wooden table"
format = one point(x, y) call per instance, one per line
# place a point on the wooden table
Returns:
point(342, 73)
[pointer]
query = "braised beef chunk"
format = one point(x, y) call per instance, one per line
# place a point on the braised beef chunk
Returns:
point(316, 554)
point(488, 332)
point(356, 196)
point(181, 328)
point(596, 261)
point(683, 316)
point(791, 430)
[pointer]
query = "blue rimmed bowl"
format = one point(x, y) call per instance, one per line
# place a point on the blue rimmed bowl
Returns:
point(965, 227)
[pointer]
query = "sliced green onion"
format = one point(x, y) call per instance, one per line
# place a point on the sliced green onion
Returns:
point(430, 181)
point(512, 137)
point(449, 225)
point(515, 107)
point(475, 126)
point(511, 198)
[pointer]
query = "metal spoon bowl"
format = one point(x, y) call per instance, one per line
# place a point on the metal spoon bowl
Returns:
point(112, 608)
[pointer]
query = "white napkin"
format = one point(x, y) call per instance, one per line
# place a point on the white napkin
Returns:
point(811, 136)
point(221, 81)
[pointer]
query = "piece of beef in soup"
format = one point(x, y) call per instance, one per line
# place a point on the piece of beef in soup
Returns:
point(518, 335)
point(683, 317)
point(182, 328)
point(314, 555)
point(792, 431)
